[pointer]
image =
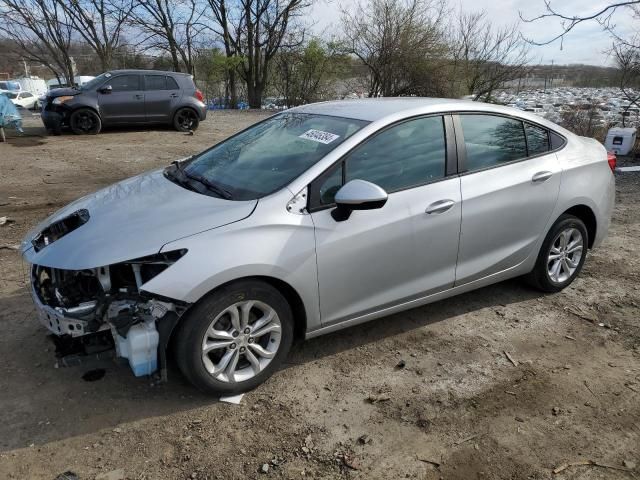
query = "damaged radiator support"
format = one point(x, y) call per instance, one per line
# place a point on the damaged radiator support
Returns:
point(86, 305)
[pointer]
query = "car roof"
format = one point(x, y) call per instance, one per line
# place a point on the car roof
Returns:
point(141, 71)
point(374, 109)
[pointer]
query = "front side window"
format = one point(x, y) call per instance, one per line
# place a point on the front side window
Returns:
point(405, 155)
point(269, 155)
point(125, 83)
point(491, 140)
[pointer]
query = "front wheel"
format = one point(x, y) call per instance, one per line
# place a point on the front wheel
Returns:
point(186, 120)
point(85, 122)
point(562, 255)
point(236, 338)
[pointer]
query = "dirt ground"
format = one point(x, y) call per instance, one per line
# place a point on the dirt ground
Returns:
point(342, 406)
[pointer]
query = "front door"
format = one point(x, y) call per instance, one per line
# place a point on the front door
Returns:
point(509, 191)
point(407, 248)
point(124, 103)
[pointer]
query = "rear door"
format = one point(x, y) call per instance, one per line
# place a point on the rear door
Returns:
point(402, 251)
point(125, 102)
point(510, 183)
point(161, 95)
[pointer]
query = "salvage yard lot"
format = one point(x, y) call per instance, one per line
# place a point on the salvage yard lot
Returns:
point(500, 383)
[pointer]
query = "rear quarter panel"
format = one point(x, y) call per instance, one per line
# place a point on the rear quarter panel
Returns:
point(587, 180)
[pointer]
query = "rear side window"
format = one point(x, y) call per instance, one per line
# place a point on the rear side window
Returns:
point(492, 140)
point(172, 84)
point(537, 139)
point(125, 83)
point(556, 140)
point(155, 82)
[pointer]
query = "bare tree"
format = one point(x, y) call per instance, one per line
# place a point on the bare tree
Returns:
point(568, 21)
point(586, 122)
point(485, 56)
point(628, 62)
point(302, 74)
point(401, 42)
point(42, 32)
point(171, 26)
point(99, 23)
point(254, 31)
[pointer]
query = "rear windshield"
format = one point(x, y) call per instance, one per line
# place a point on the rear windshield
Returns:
point(617, 140)
point(270, 154)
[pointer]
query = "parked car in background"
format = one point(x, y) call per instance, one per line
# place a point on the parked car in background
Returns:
point(9, 86)
point(23, 99)
point(126, 97)
point(318, 218)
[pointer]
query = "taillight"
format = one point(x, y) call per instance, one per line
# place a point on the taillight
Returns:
point(611, 158)
point(199, 95)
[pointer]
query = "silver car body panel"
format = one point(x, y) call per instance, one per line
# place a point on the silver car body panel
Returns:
point(378, 261)
point(121, 227)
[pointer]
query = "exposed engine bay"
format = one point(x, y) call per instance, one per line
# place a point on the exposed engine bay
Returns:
point(109, 302)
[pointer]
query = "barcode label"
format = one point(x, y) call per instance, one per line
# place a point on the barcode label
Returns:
point(319, 136)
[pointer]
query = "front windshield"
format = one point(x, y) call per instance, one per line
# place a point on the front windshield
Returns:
point(11, 95)
point(95, 81)
point(269, 155)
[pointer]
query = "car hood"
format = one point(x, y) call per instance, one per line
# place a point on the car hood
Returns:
point(130, 219)
point(60, 92)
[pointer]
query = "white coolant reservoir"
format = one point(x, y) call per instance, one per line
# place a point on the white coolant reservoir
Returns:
point(141, 348)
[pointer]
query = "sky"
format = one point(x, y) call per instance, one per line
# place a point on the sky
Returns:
point(587, 43)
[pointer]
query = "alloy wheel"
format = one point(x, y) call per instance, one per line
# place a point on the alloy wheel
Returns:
point(186, 119)
point(241, 341)
point(565, 255)
point(85, 122)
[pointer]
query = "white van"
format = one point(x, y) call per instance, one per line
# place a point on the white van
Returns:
point(620, 140)
point(35, 85)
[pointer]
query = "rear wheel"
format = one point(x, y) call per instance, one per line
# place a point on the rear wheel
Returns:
point(186, 120)
point(236, 338)
point(85, 122)
point(562, 255)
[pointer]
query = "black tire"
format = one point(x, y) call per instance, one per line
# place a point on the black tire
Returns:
point(191, 334)
point(540, 276)
point(186, 120)
point(85, 122)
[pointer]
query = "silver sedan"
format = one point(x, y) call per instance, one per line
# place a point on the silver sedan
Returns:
point(319, 218)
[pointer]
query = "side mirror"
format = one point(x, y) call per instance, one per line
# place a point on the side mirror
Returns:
point(358, 195)
point(106, 89)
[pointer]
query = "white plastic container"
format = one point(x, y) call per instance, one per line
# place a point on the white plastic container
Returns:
point(140, 347)
point(620, 140)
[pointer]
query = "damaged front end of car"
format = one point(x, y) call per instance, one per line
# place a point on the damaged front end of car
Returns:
point(108, 306)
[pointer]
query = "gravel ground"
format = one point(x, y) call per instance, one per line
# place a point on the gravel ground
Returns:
point(342, 406)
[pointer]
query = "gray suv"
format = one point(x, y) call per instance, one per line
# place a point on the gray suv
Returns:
point(126, 97)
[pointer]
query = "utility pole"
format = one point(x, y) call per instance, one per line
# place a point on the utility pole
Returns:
point(551, 79)
point(26, 68)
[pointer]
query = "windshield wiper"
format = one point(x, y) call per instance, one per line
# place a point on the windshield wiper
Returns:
point(213, 187)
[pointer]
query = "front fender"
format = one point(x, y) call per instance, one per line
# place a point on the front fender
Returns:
point(283, 249)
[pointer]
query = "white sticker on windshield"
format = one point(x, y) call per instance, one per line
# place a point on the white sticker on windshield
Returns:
point(319, 136)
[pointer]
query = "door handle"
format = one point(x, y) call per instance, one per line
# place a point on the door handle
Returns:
point(139, 96)
point(174, 95)
point(440, 206)
point(541, 177)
